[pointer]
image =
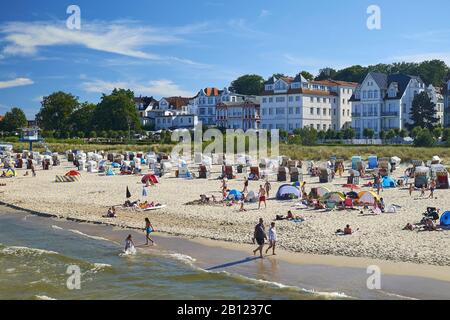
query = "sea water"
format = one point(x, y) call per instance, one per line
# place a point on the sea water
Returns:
point(35, 257)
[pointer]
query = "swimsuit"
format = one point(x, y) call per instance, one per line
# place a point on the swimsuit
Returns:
point(149, 230)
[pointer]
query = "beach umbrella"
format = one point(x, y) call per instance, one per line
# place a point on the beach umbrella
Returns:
point(128, 195)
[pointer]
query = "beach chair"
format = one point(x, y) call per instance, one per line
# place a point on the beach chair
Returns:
point(254, 174)
point(203, 172)
point(330, 205)
point(282, 174)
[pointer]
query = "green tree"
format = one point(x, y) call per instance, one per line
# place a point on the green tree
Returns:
point(321, 135)
point(250, 84)
point(326, 73)
point(437, 132)
point(390, 134)
point(423, 112)
point(446, 135)
point(307, 75)
point(415, 131)
point(117, 112)
point(82, 118)
point(308, 136)
point(368, 133)
point(403, 133)
point(349, 133)
point(56, 110)
point(383, 135)
point(92, 134)
point(14, 120)
point(424, 139)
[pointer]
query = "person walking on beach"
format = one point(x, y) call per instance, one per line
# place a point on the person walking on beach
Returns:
point(411, 189)
point(148, 230)
point(33, 170)
point(432, 188)
point(272, 238)
point(268, 187)
point(262, 197)
point(259, 236)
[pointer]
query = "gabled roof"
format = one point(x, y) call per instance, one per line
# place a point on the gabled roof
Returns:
point(381, 79)
point(271, 80)
point(145, 101)
point(177, 102)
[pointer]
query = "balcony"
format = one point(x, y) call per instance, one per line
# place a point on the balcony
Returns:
point(389, 113)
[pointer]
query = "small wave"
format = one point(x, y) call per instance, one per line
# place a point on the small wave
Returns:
point(56, 227)
point(100, 267)
point(89, 236)
point(21, 251)
point(273, 284)
point(398, 296)
point(182, 257)
point(10, 270)
point(38, 297)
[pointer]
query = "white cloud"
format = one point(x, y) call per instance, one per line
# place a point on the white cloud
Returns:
point(243, 28)
point(158, 88)
point(264, 13)
point(15, 83)
point(125, 38)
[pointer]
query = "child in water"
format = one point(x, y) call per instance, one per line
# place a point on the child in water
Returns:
point(129, 245)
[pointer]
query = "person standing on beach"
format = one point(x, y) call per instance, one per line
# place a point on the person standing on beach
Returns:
point(268, 187)
point(33, 170)
point(411, 189)
point(272, 238)
point(262, 197)
point(148, 230)
point(245, 185)
point(259, 236)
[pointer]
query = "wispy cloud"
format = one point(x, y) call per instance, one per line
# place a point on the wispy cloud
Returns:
point(436, 36)
point(241, 27)
point(126, 38)
point(18, 82)
point(264, 13)
point(158, 88)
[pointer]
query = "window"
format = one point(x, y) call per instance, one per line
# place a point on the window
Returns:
point(364, 94)
point(297, 110)
point(318, 127)
point(318, 100)
point(324, 127)
point(297, 98)
point(312, 111)
point(318, 111)
point(291, 110)
point(270, 111)
point(280, 111)
point(270, 100)
point(324, 112)
point(264, 100)
point(291, 99)
point(311, 99)
point(280, 99)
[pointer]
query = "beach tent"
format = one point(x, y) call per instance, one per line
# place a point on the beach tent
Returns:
point(110, 172)
point(445, 219)
point(367, 197)
point(388, 182)
point(73, 173)
point(352, 195)
point(252, 196)
point(10, 173)
point(334, 197)
point(234, 195)
point(149, 177)
point(288, 192)
point(115, 165)
point(321, 191)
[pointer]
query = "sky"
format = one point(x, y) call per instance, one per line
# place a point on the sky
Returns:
point(175, 48)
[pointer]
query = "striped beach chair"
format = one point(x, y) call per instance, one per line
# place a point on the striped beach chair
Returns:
point(60, 179)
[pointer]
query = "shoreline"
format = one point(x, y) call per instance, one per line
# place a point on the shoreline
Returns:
point(406, 269)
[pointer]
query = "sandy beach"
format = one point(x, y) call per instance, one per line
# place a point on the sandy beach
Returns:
point(379, 237)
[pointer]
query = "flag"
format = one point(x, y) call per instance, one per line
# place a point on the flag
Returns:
point(128, 193)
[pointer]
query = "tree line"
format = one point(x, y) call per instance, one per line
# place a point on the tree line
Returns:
point(433, 72)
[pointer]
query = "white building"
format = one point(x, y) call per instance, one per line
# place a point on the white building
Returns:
point(204, 104)
point(438, 99)
point(292, 103)
point(384, 102)
point(144, 106)
point(446, 96)
point(243, 114)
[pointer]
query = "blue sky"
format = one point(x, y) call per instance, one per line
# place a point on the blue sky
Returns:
point(165, 48)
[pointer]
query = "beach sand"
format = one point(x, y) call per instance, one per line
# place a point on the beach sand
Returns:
point(379, 237)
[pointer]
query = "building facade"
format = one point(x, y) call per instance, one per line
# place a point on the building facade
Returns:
point(446, 97)
point(205, 102)
point(437, 98)
point(293, 103)
point(383, 102)
point(144, 106)
point(241, 114)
